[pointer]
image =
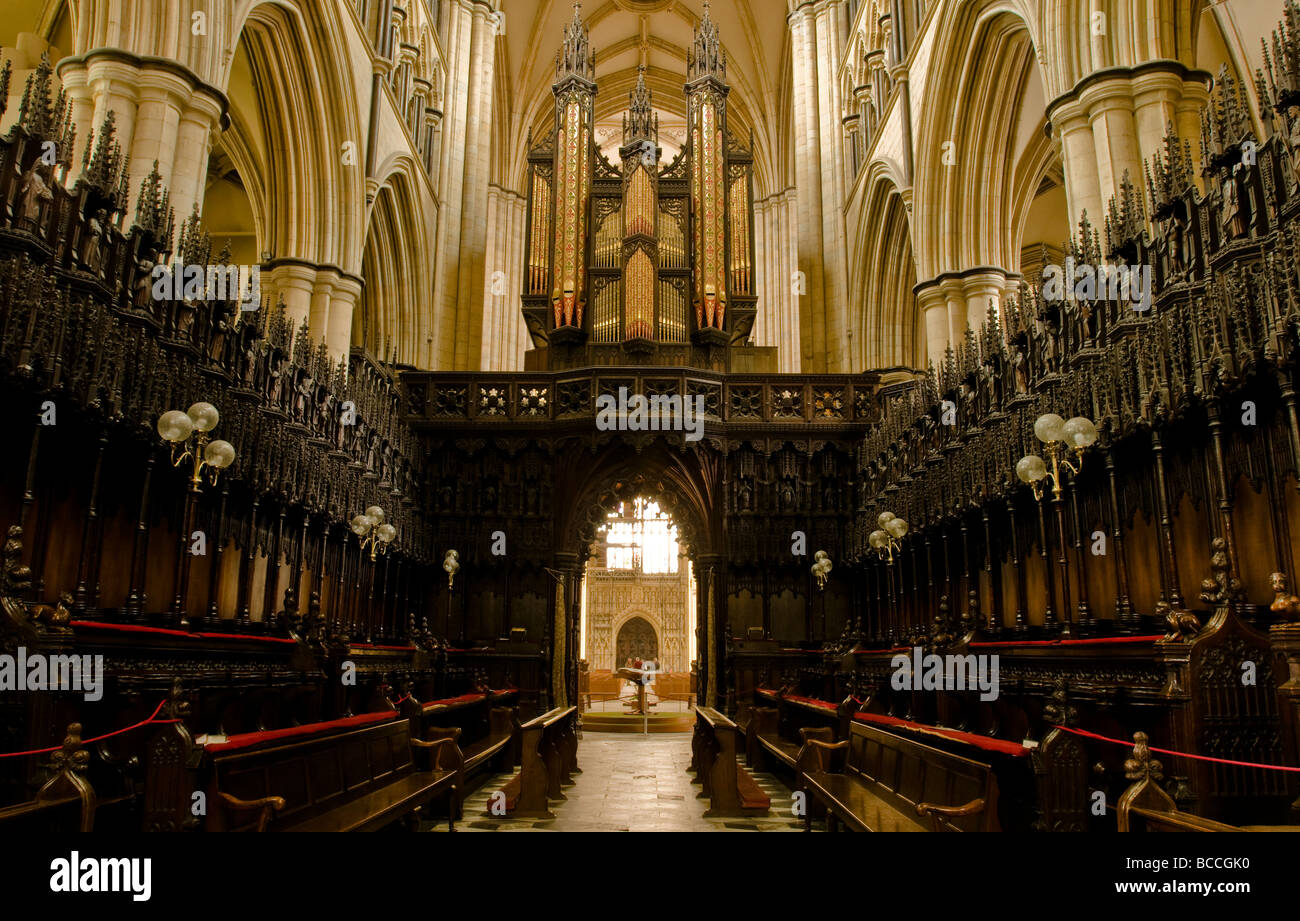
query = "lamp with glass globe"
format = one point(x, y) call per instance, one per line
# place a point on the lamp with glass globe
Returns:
point(374, 533)
point(821, 568)
point(450, 565)
point(885, 540)
point(187, 433)
point(1061, 438)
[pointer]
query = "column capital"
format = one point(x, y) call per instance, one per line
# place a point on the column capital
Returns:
point(1123, 78)
point(113, 63)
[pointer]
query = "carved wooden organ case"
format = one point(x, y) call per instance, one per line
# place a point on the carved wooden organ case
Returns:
point(639, 262)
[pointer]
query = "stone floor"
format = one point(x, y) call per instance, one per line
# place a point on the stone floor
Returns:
point(629, 783)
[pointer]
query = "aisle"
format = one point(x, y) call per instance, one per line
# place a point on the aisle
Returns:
point(631, 783)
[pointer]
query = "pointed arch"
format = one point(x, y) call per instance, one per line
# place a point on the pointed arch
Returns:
point(391, 321)
point(887, 327)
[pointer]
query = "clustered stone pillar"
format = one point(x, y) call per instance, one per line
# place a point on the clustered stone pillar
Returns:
point(1116, 119)
point(162, 112)
point(324, 296)
point(504, 333)
point(462, 225)
point(816, 46)
point(954, 301)
point(775, 244)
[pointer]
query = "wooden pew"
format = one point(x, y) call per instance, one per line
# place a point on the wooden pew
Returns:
point(729, 788)
point(354, 778)
point(548, 756)
point(481, 735)
point(888, 783)
point(66, 802)
point(764, 743)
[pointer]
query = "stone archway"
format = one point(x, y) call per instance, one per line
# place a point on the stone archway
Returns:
point(636, 639)
point(686, 482)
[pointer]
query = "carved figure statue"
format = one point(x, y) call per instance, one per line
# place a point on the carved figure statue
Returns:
point(1020, 365)
point(32, 196)
point(1285, 605)
point(91, 243)
point(1233, 224)
point(1293, 143)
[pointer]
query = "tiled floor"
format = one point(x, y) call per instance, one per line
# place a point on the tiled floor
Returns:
point(630, 783)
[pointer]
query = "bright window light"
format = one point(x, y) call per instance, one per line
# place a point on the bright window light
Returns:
point(641, 537)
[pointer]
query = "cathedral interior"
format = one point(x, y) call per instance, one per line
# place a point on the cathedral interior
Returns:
point(862, 415)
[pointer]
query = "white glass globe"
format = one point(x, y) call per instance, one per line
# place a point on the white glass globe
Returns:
point(204, 415)
point(877, 539)
point(375, 513)
point(885, 518)
point(360, 525)
point(175, 426)
point(219, 454)
point(386, 533)
point(1080, 432)
point(897, 527)
point(1049, 427)
point(1031, 468)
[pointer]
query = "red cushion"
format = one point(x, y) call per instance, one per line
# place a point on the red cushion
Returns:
point(984, 742)
point(245, 739)
point(812, 702)
point(453, 701)
point(163, 631)
point(1091, 641)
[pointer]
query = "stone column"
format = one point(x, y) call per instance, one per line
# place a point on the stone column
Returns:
point(830, 26)
point(478, 148)
point(451, 171)
point(980, 288)
point(934, 308)
point(162, 112)
point(345, 290)
point(292, 281)
point(808, 176)
point(1114, 120)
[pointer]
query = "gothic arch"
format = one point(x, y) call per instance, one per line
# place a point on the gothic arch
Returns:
point(314, 202)
point(616, 626)
point(887, 325)
point(392, 320)
point(1132, 32)
point(683, 482)
point(968, 174)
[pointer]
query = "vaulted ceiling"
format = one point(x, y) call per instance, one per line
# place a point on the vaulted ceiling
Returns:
point(657, 33)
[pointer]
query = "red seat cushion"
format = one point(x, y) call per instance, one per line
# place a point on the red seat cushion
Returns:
point(245, 739)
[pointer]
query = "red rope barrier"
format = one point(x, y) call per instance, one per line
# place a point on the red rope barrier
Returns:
point(108, 735)
point(1165, 751)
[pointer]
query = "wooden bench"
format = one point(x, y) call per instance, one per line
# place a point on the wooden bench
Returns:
point(66, 802)
point(356, 778)
point(765, 743)
point(548, 747)
point(494, 750)
point(888, 783)
point(729, 788)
